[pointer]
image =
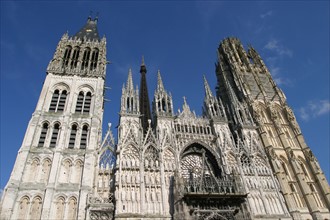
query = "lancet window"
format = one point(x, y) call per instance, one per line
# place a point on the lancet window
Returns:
point(43, 134)
point(65, 171)
point(58, 101)
point(23, 207)
point(35, 210)
point(85, 60)
point(66, 56)
point(83, 139)
point(54, 137)
point(59, 207)
point(151, 158)
point(73, 135)
point(72, 208)
point(75, 57)
point(83, 102)
point(45, 170)
point(94, 59)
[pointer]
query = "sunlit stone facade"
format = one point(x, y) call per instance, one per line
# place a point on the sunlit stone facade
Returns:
point(243, 158)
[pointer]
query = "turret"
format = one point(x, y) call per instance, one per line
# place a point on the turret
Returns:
point(129, 97)
point(162, 103)
point(213, 107)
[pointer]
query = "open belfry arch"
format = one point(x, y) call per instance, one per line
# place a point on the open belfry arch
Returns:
point(243, 158)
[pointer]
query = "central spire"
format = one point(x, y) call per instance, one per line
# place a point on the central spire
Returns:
point(144, 98)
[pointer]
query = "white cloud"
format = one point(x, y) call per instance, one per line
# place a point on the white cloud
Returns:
point(314, 109)
point(273, 45)
point(268, 13)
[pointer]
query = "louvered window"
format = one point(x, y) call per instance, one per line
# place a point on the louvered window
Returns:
point(53, 140)
point(84, 102)
point(54, 100)
point(57, 103)
point(80, 102)
point(67, 54)
point(73, 135)
point(95, 56)
point(87, 103)
point(85, 60)
point(83, 140)
point(43, 135)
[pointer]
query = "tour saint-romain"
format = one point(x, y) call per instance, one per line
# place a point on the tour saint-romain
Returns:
point(243, 158)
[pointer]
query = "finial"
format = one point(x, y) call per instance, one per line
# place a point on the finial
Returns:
point(90, 16)
point(149, 122)
point(109, 125)
point(184, 100)
point(142, 62)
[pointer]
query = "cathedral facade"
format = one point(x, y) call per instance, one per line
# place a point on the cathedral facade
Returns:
point(243, 158)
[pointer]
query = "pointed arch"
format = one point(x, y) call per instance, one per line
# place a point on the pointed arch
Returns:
point(54, 137)
point(71, 208)
point(151, 156)
point(73, 135)
point(36, 206)
point(34, 169)
point(45, 170)
point(94, 58)
point(304, 168)
point(43, 133)
point(59, 207)
point(198, 161)
point(75, 57)
point(77, 171)
point(66, 56)
point(65, 170)
point(23, 207)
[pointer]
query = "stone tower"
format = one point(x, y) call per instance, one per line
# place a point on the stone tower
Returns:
point(244, 75)
point(55, 167)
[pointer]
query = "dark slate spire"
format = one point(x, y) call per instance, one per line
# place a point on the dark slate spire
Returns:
point(89, 30)
point(144, 98)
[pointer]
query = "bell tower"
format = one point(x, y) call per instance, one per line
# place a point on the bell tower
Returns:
point(54, 168)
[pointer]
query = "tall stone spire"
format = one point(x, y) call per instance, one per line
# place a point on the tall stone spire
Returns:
point(160, 85)
point(208, 92)
point(144, 97)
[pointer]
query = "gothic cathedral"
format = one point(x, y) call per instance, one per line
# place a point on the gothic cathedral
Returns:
point(243, 158)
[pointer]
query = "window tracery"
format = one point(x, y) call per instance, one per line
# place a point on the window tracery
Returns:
point(72, 208)
point(58, 100)
point(75, 57)
point(83, 102)
point(151, 157)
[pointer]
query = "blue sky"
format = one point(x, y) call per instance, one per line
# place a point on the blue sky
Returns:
point(180, 38)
